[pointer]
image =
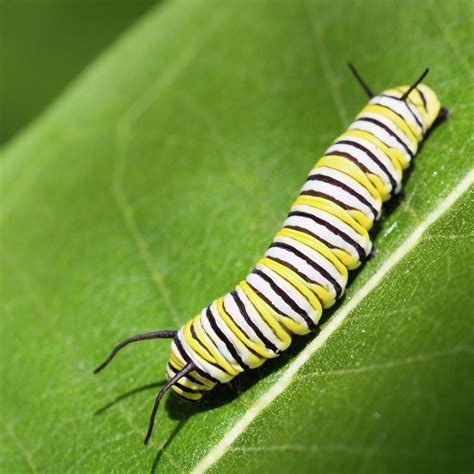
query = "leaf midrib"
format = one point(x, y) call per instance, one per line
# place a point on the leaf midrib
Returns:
point(328, 329)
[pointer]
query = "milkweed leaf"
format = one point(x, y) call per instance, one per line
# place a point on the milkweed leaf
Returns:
point(152, 186)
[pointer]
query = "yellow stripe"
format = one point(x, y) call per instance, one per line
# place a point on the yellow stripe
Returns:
point(264, 310)
point(397, 154)
point(270, 316)
point(381, 188)
point(413, 124)
point(325, 296)
point(187, 395)
point(402, 159)
point(345, 165)
point(285, 321)
point(186, 383)
point(397, 120)
point(359, 216)
point(335, 210)
point(175, 361)
point(189, 383)
point(346, 258)
point(317, 246)
point(178, 364)
point(362, 218)
point(241, 336)
point(289, 275)
point(212, 349)
point(195, 344)
point(392, 153)
point(420, 105)
point(417, 103)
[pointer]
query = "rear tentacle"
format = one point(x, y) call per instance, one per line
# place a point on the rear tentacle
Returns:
point(141, 337)
point(188, 368)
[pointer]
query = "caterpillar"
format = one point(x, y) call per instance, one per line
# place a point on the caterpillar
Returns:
point(305, 269)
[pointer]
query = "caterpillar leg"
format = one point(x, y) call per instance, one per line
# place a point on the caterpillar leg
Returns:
point(443, 115)
point(188, 368)
point(140, 337)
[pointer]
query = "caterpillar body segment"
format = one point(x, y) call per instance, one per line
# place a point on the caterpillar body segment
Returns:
point(305, 269)
point(325, 234)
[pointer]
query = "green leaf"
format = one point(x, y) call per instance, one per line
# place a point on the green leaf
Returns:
point(152, 187)
point(45, 43)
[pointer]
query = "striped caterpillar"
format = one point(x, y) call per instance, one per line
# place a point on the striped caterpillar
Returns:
point(305, 268)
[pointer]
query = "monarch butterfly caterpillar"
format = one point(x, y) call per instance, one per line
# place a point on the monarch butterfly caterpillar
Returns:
point(305, 268)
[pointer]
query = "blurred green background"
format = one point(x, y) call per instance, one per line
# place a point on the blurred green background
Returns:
point(45, 44)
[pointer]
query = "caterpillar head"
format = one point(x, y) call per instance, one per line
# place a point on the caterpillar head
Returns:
point(421, 99)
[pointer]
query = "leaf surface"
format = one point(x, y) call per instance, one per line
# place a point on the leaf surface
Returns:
point(45, 44)
point(153, 186)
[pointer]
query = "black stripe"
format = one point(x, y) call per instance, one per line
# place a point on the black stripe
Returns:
point(214, 364)
point(292, 268)
point(409, 109)
point(188, 375)
point(329, 180)
point(349, 240)
point(355, 161)
point(243, 311)
point(269, 303)
point(256, 354)
point(317, 237)
point(319, 194)
point(286, 298)
point(187, 389)
point(308, 232)
point(194, 335)
point(389, 131)
point(423, 99)
point(182, 397)
point(316, 266)
point(301, 275)
point(391, 110)
point(350, 158)
point(264, 298)
point(372, 156)
point(224, 339)
point(185, 356)
point(399, 116)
